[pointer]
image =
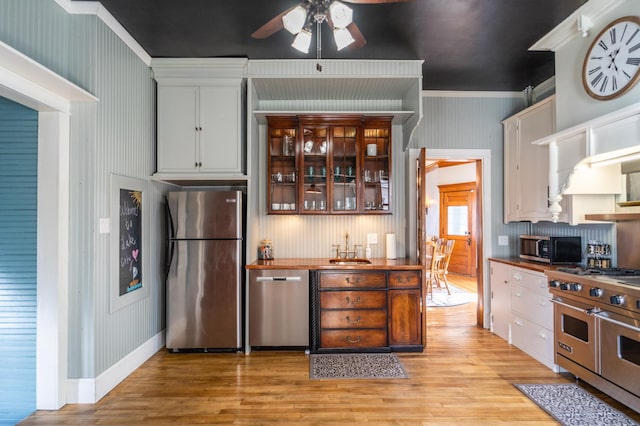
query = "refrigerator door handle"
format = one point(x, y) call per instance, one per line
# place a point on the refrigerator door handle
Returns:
point(268, 279)
point(170, 250)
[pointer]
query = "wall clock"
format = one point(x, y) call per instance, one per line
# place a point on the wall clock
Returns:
point(612, 63)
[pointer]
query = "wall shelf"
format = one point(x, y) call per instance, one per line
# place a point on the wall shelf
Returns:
point(613, 217)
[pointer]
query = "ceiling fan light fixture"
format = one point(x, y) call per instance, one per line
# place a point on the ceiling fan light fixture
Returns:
point(342, 37)
point(302, 41)
point(295, 19)
point(341, 14)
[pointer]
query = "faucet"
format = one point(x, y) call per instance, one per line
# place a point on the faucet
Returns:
point(346, 238)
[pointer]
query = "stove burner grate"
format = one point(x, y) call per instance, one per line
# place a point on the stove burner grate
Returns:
point(579, 270)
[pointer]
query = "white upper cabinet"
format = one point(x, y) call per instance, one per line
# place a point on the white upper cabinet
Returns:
point(199, 118)
point(526, 166)
point(199, 129)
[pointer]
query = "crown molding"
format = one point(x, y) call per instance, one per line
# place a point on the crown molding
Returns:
point(96, 8)
point(469, 94)
point(574, 25)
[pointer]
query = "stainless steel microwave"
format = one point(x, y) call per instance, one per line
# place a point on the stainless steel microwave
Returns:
point(551, 249)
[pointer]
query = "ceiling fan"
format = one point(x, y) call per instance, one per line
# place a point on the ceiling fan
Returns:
point(299, 20)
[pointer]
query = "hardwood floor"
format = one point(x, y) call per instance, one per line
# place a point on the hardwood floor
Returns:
point(464, 376)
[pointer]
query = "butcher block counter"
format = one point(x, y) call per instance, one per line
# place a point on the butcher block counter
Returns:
point(526, 264)
point(325, 263)
point(359, 307)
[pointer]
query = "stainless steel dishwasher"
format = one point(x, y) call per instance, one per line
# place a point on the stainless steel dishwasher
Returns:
point(278, 308)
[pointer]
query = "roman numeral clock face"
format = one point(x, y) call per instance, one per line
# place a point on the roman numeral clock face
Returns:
point(612, 64)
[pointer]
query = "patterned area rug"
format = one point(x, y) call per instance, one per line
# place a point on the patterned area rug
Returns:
point(356, 366)
point(573, 406)
point(457, 297)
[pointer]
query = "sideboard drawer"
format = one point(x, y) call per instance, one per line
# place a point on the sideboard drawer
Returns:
point(404, 279)
point(353, 338)
point(355, 318)
point(353, 280)
point(353, 299)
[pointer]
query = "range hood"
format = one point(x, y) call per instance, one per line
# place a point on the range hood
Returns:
point(607, 140)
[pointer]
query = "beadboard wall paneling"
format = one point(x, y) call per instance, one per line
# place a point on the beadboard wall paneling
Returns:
point(474, 123)
point(115, 135)
point(18, 249)
point(124, 145)
point(39, 29)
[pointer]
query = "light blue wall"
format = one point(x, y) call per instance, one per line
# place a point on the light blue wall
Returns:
point(475, 123)
point(18, 231)
point(116, 135)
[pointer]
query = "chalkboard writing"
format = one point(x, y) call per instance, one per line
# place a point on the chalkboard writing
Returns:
point(130, 242)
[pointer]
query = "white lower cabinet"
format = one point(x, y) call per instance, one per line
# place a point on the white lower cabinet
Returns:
point(530, 318)
point(500, 300)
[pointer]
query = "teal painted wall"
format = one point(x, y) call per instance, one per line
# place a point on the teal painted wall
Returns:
point(18, 235)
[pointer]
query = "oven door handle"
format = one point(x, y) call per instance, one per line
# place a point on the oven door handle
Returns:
point(602, 316)
point(590, 311)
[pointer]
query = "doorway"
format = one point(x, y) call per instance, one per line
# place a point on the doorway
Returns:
point(457, 214)
point(427, 205)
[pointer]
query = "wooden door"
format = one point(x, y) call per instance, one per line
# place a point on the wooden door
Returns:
point(457, 213)
point(421, 216)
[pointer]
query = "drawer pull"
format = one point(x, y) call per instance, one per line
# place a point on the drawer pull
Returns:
point(518, 294)
point(542, 335)
point(518, 323)
point(355, 321)
point(353, 302)
point(401, 279)
point(352, 280)
point(348, 339)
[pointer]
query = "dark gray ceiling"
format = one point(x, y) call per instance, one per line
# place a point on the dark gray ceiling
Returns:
point(465, 44)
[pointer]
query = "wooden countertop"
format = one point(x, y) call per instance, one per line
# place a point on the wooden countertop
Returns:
point(323, 263)
point(526, 264)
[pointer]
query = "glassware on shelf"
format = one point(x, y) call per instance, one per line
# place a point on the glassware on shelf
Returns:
point(287, 146)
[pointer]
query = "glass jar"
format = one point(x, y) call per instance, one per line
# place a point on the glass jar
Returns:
point(265, 250)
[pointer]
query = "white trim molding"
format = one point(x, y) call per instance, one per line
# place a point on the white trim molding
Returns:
point(96, 8)
point(470, 94)
point(575, 25)
point(90, 391)
point(27, 82)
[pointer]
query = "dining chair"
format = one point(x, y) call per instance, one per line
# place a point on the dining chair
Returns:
point(443, 264)
point(433, 257)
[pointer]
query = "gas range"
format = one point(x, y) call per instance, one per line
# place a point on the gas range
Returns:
point(616, 289)
point(617, 272)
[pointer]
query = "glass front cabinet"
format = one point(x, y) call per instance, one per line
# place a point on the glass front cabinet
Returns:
point(329, 165)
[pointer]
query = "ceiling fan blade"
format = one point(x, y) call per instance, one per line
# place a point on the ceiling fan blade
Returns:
point(374, 1)
point(271, 27)
point(357, 35)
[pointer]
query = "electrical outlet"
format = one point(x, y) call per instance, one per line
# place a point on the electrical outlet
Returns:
point(503, 240)
point(372, 238)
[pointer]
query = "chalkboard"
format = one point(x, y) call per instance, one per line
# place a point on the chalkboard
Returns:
point(130, 241)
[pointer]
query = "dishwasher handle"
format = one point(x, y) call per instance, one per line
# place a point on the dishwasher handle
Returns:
point(269, 279)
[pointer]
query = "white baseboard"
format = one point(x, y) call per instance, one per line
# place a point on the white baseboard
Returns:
point(90, 391)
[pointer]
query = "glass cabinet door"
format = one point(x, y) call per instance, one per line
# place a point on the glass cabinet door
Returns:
point(344, 160)
point(376, 167)
point(282, 168)
point(314, 169)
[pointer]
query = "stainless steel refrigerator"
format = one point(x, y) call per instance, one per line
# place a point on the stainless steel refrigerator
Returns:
point(205, 270)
